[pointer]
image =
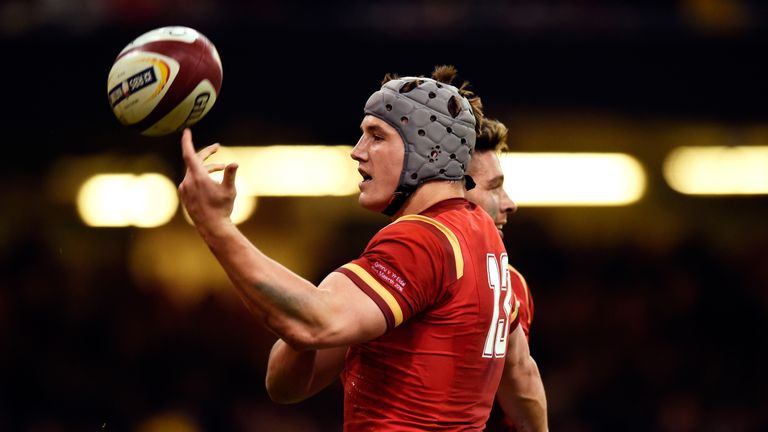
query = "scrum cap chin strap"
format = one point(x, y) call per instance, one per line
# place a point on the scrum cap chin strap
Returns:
point(437, 126)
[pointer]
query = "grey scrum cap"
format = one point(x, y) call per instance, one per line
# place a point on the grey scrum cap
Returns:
point(437, 126)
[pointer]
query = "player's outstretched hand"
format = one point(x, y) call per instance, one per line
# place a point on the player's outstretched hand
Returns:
point(207, 201)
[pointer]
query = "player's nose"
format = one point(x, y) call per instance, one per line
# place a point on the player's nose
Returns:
point(507, 205)
point(359, 152)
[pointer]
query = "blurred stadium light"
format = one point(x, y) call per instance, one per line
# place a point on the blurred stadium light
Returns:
point(573, 179)
point(118, 200)
point(293, 170)
point(718, 170)
point(533, 179)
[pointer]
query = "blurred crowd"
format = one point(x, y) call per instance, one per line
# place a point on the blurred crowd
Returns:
point(627, 338)
point(19, 17)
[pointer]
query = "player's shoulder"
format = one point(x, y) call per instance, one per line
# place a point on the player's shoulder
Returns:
point(515, 272)
point(420, 227)
point(517, 278)
point(419, 230)
point(523, 293)
point(431, 234)
point(422, 224)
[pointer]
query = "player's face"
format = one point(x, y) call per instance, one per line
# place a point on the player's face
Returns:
point(489, 192)
point(379, 153)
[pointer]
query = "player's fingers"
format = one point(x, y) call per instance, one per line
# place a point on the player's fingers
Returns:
point(215, 167)
point(188, 149)
point(229, 176)
point(194, 160)
point(208, 151)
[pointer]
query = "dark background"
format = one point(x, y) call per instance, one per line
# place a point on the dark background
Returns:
point(649, 317)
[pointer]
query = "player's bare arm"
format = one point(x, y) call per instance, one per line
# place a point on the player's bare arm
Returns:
point(293, 376)
point(521, 391)
point(306, 316)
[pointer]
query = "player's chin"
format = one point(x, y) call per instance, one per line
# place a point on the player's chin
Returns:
point(369, 202)
point(501, 233)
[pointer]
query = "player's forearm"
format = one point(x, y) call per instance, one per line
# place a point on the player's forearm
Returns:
point(522, 397)
point(285, 303)
point(289, 373)
point(294, 375)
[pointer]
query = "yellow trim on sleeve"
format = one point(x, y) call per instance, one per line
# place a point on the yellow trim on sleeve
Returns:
point(394, 306)
point(451, 239)
point(513, 315)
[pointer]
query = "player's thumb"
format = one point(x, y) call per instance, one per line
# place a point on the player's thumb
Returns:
point(229, 176)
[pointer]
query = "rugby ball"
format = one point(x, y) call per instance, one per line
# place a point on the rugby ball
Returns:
point(165, 80)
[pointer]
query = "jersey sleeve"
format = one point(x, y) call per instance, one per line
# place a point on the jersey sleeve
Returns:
point(404, 269)
point(523, 294)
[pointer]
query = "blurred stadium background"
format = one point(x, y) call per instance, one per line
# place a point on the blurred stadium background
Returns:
point(650, 316)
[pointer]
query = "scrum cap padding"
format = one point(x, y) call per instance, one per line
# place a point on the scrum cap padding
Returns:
point(436, 123)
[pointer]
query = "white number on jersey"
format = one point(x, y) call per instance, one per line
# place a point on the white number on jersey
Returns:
point(498, 281)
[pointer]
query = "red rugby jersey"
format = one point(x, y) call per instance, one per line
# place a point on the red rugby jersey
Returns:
point(440, 280)
point(498, 421)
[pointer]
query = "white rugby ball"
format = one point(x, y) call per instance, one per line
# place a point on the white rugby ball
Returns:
point(165, 80)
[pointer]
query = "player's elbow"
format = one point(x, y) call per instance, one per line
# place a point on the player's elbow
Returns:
point(521, 366)
point(305, 337)
point(300, 340)
point(300, 335)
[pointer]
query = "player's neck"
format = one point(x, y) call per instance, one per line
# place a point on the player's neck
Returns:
point(429, 194)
